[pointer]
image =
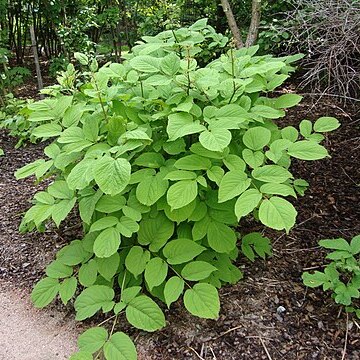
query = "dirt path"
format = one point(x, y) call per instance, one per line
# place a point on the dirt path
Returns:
point(29, 334)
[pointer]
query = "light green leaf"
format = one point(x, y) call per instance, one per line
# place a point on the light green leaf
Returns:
point(88, 273)
point(326, 123)
point(120, 347)
point(202, 301)
point(107, 267)
point(277, 213)
point(221, 237)
point(145, 314)
point(215, 174)
point(247, 202)
point(277, 189)
point(145, 63)
point(155, 231)
point(256, 138)
point(307, 150)
point(181, 175)
point(127, 226)
point(44, 292)
point(61, 210)
point(112, 175)
point(92, 339)
point(57, 270)
point(81, 355)
point(305, 128)
point(108, 204)
point(182, 193)
point(215, 140)
point(181, 250)
point(253, 158)
point(173, 289)
point(271, 173)
point(193, 162)
point(67, 289)
point(181, 124)
point(197, 270)
point(107, 243)
point(151, 189)
point(92, 300)
point(136, 260)
point(233, 183)
point(287, 101)
point(267, 112)
point(335, 244)
point(150, 160)
point(290, 133)
point(104, 223)
point(155, 272)
point(81, 175)
point(47, 130)
point(170, 64)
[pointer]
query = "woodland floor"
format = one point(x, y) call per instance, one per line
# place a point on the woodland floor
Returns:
point(250, 325)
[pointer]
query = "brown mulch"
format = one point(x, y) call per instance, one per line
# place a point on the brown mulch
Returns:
point(269, 314)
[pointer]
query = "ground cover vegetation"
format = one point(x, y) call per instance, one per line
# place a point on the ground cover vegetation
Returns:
point(163, 157)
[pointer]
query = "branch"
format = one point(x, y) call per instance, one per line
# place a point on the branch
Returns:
point(232, 24)
point(255, 22)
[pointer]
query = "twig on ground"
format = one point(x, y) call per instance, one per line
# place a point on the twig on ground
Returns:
point(346, 337)
point(196, 353)
point(265, 348)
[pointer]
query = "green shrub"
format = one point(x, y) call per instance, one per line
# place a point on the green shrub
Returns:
point(342, 275)
point(162, 158)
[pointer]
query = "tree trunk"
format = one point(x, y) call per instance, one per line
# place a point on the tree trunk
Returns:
point(36, 59)
point(232, 24)
point(255, 22)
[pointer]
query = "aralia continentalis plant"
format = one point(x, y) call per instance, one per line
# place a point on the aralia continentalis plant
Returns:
point(163, 158)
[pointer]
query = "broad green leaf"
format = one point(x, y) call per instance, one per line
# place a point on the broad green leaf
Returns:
point(47, 130)
point(173, 289)
point(221, 237)
point(155, 231)
point(253, 158)
point(170, 64)
point(145, 63)
point(92, 339)
point(277, 213)
point(335, 244)
point(130, 293)
point(255, 242)
point(72, 254)
point(197, 270)
point(256, 138)
point(345, 293)
point(181, 250)
point(307, 150)
point(145, 314)
point(28, 169)
point(61, 210)
point(112, 175)
point(181, 124)
point(355, 245)
point(151, 189)
point(108, 204)
point(107, 267)
point(193, 162)
point(88, 273)
point(44, 292)
point(182, 193)
point(267, 112)
point(60, 190)
point(150, 160)
point(305, 128)
point(58, 270)
point(107, 243)
point(326, 123)
point(216, 139)
point(136, 260)
point(314, 280)
point(155, 272)
point(181, 175)
point(215, 174)
point(81, 175)
point(202, 301)
point(127, 226)
point(81, 355)
point(234, 162)
point(290, 133)
point(233, 183)
point(271, 174)
point(287, 101)
point(247, 202)
point(277, 189)
point(104, 223)
point(120, 347)
point(67, 289)
point(92, 300)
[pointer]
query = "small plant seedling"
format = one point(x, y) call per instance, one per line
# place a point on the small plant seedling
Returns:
point(342, 275)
